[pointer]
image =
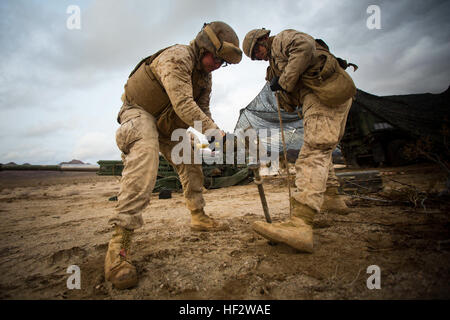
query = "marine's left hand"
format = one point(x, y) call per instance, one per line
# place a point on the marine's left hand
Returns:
point(274, 85)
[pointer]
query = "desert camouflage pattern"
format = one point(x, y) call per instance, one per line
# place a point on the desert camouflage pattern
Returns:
point(142, 135)
point(187, 85)
point(324, 127)
point(184, 85)
point(292, 52)
point(140, 143)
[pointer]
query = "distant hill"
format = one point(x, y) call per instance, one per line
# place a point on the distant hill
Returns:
point(26, 164)
point(11, 164)
point(74, 161)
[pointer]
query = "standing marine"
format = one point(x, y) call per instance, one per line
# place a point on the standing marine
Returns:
point(303, 72)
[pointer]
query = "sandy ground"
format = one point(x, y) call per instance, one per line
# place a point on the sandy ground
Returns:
point(51, 220)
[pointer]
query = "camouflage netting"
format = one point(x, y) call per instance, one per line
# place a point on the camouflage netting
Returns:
point(375, 123)
point(262, 113)
point(417, 114)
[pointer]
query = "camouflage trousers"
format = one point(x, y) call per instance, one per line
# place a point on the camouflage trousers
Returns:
point(140, 143)
point(324, 127)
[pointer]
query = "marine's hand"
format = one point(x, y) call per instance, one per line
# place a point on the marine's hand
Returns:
point(274, 85)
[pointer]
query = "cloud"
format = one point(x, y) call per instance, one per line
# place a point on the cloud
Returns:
point(60, 88)
point(37, 131)
point(10, 156)
point(94, 146)
point(31, 154)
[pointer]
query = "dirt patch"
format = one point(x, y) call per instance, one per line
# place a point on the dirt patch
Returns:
point(51, 222)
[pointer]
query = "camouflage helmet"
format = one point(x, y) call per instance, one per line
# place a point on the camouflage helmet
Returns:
point(220, 39)
point(251, 38)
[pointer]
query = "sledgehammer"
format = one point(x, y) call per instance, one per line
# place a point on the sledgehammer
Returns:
point(258, 181)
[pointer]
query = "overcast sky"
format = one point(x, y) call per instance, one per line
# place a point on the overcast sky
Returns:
point(60, 88)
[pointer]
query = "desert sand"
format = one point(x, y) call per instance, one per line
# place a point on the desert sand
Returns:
point(51, 220)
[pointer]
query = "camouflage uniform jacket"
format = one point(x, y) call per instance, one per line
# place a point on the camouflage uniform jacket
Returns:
point(291, 54)
point(180, 79)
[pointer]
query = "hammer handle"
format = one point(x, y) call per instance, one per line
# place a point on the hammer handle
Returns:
point(262, 195)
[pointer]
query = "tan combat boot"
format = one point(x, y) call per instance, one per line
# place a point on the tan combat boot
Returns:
point(118, 268)
point(201, 222)
point(333, 202)
point(296, 231)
